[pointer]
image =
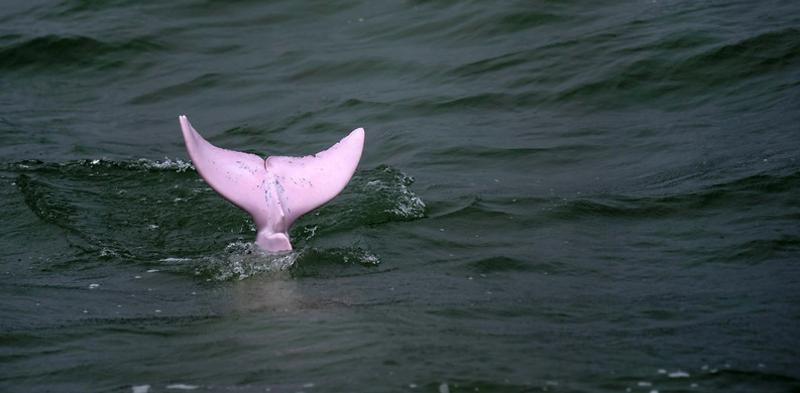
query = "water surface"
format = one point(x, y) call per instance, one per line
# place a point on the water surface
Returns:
point(554, 196)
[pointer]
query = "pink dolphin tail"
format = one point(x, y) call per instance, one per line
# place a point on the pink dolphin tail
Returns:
point(277, 190)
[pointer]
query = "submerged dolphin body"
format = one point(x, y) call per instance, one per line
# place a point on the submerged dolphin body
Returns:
point(277, 190)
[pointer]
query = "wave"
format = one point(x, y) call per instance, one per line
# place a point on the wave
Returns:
point(500, 263)
point(654, 76)
point(374, 196)
point(99, 164)
point(178, 90)
point(466, 24)
point(359, 69)
point(740, 192)
point(242, 260)
point(136, 211)
point(757, 201)
point(54, 51)
point(72, 7)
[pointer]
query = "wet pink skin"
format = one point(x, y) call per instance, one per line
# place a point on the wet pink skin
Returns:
point(277, 190)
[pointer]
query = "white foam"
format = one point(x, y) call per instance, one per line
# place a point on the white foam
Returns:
point(107, 252)
point(406, 204)
point(246, 259)
point(140, 388)
point(171, 259)
point(177, 164)
point(182, 386)
point(362, 257)
point(678, 374)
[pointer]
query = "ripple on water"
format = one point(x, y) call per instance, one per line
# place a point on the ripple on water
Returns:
point(242, 260)
point(125, 211)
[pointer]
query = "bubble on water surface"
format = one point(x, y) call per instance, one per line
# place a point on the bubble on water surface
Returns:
point(394, 186)
point(242, 260)
point(373, 196)
point(167, 164)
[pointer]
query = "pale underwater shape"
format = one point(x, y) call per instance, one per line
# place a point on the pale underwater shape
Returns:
point(277, 190)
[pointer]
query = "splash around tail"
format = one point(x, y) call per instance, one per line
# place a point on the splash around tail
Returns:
point(277, 190)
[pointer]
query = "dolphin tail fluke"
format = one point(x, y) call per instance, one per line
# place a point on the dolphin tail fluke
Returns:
point(237, 176)
point(280, 189)
point(309, 182)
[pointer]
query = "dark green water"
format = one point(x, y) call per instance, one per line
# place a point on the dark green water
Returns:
point(554, 196)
